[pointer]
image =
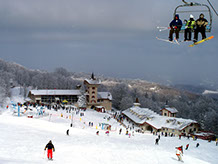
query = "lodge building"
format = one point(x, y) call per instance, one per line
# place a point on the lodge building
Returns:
point(149, 120)
point(94, 99)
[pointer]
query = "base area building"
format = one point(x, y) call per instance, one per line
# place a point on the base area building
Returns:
point(167, 123)
point(94, 99)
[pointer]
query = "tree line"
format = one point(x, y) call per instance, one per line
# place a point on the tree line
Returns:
point(200, 108)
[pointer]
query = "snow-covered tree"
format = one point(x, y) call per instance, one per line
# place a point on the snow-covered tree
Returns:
point(82, 101)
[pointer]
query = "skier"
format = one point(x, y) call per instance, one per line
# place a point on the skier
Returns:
point(216, 142)
point(197, 144)
point(187, 147)
point(156, 141)
point(179, 153)
point(97, 133)
point(175, 27)
point(189, 27)
point(67, 132)
point(50, 148)
point(201, 24)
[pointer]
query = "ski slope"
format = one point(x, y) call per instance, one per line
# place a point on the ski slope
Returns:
point(23, 140)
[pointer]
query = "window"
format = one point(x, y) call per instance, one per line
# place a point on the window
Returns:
point(194, 129)
point(93, 87)
point(93, 96)
point(93, 92)
point(165, 114)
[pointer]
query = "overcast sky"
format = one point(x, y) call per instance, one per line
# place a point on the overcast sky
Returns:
point(111, 37)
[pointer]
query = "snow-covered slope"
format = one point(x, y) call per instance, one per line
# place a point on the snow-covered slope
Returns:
point(23, 140)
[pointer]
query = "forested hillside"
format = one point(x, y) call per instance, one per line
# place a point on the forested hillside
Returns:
point(154, 96)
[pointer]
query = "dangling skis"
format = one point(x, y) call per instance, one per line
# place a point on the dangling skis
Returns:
point(201, 41)
point(175, 41)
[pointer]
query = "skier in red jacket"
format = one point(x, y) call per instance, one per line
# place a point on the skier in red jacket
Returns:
point(50, 148)
point(179, 153)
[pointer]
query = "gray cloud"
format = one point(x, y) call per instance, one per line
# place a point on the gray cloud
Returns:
point(112, 37)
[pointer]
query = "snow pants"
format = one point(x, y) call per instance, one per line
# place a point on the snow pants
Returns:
point(202, 31)
point(188, 34)
point(179, 157)
point(49, 154)
point(172, 30)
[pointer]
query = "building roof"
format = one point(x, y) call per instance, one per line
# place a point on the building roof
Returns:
point(55, 92)
point(170, 109)
point(145, 115)
point(105, 95)
point(93, 81)
point(139, 115)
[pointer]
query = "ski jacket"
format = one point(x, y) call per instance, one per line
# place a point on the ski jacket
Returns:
point(50, 146)
point(178, 152)
point(201, 22)
point(191, 23)
point(176, 22)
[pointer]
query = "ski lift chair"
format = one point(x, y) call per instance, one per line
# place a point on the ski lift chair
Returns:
point(191, 8)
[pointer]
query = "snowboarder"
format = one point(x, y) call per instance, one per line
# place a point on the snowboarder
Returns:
point(197, 144)
point(67, 132)
point(156, 141)
point(189, 27)
point(201, 24)
point(179, 153)
point(175, 27)
point(50, 148)
point(187, 147)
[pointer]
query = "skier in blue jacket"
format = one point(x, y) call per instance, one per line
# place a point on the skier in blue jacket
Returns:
point(175, 27)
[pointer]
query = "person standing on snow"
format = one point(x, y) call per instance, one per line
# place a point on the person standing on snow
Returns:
point(120, 131)
point(189, 27)
point(201, 24)
point(175, 27)
point(50, 148)
point(67, 132)
point(187, 147)
point(179, 153)
point(156, 141)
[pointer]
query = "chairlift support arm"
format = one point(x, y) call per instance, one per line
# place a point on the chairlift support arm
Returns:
point(207, 1)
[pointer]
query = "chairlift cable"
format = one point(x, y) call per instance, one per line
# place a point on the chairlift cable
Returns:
point(212, 7)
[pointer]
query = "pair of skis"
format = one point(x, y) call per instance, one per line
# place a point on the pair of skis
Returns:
point(175, 41)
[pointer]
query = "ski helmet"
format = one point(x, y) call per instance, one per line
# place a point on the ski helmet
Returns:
point(191, 16)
